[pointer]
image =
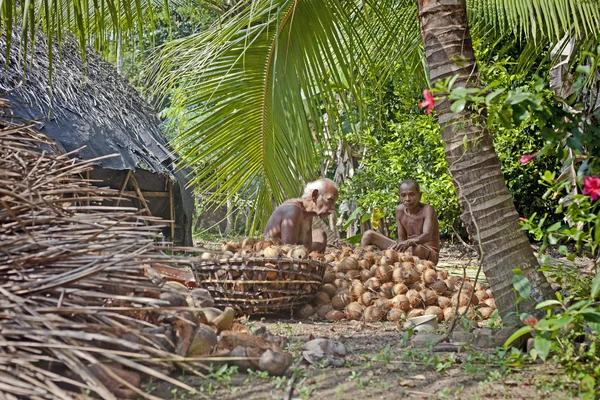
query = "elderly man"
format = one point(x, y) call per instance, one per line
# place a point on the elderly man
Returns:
point(418, 228)
point(291, 222)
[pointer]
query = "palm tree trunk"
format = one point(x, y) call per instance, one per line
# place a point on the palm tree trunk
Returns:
point(487, 207)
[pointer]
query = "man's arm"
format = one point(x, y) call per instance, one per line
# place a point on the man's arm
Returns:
point(401, 231)
point(291, 221)
point(428, 224)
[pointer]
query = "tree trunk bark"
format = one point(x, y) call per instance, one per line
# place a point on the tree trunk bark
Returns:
point(488, 211)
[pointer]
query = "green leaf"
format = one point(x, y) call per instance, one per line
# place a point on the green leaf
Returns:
point(493, 95)
point(548, 304)
point(522, 286)
point(595, 286)
point(554, 324)
point(458, 106)
point(543, 346)
point(520, 332)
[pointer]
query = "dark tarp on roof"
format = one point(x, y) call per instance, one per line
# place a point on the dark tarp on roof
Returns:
point(92, 107)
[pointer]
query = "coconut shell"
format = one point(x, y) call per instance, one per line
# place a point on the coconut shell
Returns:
point(450, 283)
point(368, 298)
point(323, 310)
point(335, 315)
point(481, 295)
point(321, 298)
point(392, 255)
point(442, 274)
point(298, 252)
point(369, 256)
point(420, 268)
point(414, 298)
point(399, 288)
point(464, 299)
point(416, 286)
point(394, 315)
point(356, 290)
point(486, 312)
point(401, 302)
point(469, 313)
point(341, 283)
point(410, 276)
point(415, 312)
point(305, 311)
point(398, 275)
point(373, 284)
point(373, 314)
point(384, 304)
point(386, 290)
point(491, 303)
point(364, 264)
point(365, 275)
point(353, 274)
point(329, 258)
point(429, 277)
point(449, 313)
point(248, 243)
point(203, 342)
point(272, 251)
point(330, 289)
point(348, 264)
point(429, 297)
point(435, 310)
point(354, 311)
point(444, 302)
point(467, 287)
point(328, 277)
point(384, 273)
point(340, 300)
point(489, 292)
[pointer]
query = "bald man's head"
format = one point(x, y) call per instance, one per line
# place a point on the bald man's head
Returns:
point(322, 194)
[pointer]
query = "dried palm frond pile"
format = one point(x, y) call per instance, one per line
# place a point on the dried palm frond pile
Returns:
point(78, 313)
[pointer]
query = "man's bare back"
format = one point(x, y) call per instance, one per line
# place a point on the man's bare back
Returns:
point(418, 228)
point(291, 222)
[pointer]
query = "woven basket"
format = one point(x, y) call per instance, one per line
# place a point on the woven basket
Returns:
point(257, 285)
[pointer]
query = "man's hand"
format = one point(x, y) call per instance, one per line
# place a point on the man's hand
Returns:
point(404, 245)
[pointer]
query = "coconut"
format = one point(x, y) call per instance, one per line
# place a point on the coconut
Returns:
point(348, 264)
point(368, 298)
point(340, 300)
point(464, 300)
point(491, 303)
point(248, 243)
point(399, 288)
point(329, 258)
point(272, 251)
point(429, 297)
point(469, 313)
point(384, 304)
point(481, 295)
point(467, 287)
point(373, 314)
point(486, 312)
point(203, 341)
point(356, 290)
point(369, 256)
point(415, 312)
point(435, 310)
point(328, 277)
point(386, 290)
point(429, 277)
point(230, 246)
point(420, 268)
point(330, 289)
point(354, 311)
point(364, 264)
point(401, 302)
point(384, 273)
point(394, 315)
point(207, 256)
point(298, 252)
point(449, 313)
point(365, 275)
point(450, 284)
point(410, 276)
point(398, 275)
point(416, 286)
point(442, 274)
point(355, 256)
point(439, 286)
point(479, 286)
point(373, 284)
point(489, 292)
point(305, 311)
point(341, 283)
point(321, 298)
point(339, 275)
point(414, 298)
point(392, 255)
point(335, 315)
point(315, 255)
point(323, 310)
point(373, 269)
point(444, 302)
point(353, 274)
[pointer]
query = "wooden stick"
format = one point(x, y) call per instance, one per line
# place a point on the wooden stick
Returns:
point(124, 186)
point(172, 210)
point(139, 193)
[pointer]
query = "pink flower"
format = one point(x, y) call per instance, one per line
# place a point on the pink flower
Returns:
point(531, 321)
point(591, 186)
point(525, 158)
point(522, 219)
point(429, 101)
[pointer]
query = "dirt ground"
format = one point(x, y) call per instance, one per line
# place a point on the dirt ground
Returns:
point(380, 364)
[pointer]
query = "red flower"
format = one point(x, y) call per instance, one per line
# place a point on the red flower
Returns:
point(526, 158)
point(429, 101)
point(522, 219)
point(591, 186)
point(531, 321)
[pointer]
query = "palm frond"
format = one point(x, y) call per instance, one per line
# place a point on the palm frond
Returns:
point(258, 90)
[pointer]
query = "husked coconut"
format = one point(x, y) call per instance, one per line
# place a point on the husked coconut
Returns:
point(491, 303)
point(392, 255)
point(365, 275)
point(410, 276)
point(354, 311)
point(373, 314)
point(429, 277)
point(416, 286)
point(467, 287)
point(339, 275)
point(356, 290)
point(329, 258)
point(420, 268)
point(298, 252)
point(373, 284)
point(489, 292)
point(272, 251)
point(450, 283)
point(355, 256)
point(305, 311)
point(384, 273)
point(428, 264)
point(399, 288)
point(248, 243)
point(401, 302)
point(341, 283)
point(449, 313)
point(439, 286)
point(348, 264)
point(369, 256)
point(315, 255)
point(481, 295)
point(442, 274)
point(415, 312)
point(384, 304)
point(335, 315)
point(386, 290)
point(321, 298)
point(429, 297)
point(486, 312)
point(464, 299)
point(368, 298)
point(364, 264)
point(469, 313)
point(435, 310)
point(394, 315)
point(231, 246)
point(323, 310)
point(414, 298)
point(444, 302)
point(340, 300)
point(330, 289)
point(384, 261)
point(479, 286)
point(353, 274)
point(398, 275)
point(328, 277)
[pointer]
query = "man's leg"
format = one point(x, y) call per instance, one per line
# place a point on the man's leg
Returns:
point(319, 240)
point(371, 237)
point(425, 253)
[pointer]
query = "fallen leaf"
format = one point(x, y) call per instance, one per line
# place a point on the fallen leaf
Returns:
point(419, 377)
point(407, 383)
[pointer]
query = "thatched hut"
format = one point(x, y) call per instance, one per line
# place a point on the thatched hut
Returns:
point(89, 104)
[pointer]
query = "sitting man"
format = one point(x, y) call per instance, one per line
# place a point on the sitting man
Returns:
point(291, 222)
point(418, 228)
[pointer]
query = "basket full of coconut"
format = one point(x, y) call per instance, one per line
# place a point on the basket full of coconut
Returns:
point(260, 285)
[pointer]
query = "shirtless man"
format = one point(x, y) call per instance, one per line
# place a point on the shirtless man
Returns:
point(291, 222)
point(418, 228)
